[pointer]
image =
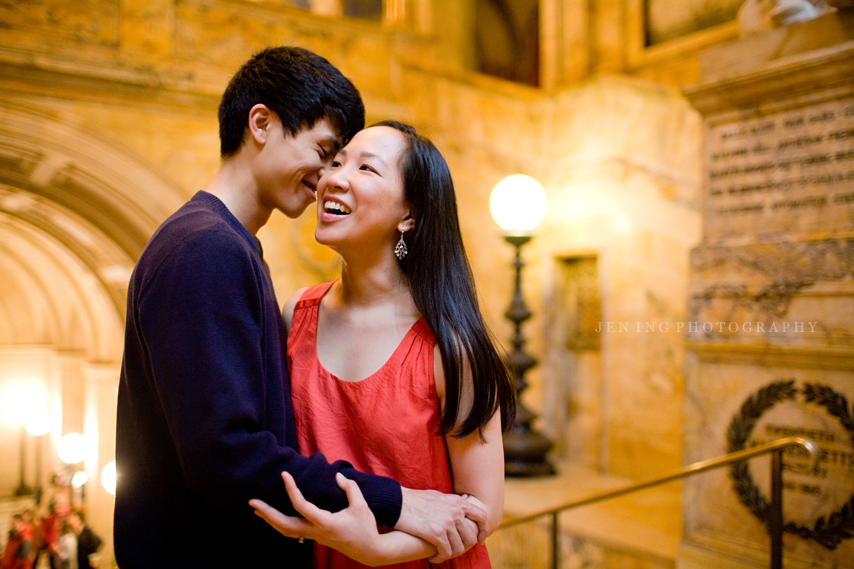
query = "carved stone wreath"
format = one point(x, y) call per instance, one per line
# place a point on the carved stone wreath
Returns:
point(828, 532)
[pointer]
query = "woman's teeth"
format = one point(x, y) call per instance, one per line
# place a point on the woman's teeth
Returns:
point(336, 208)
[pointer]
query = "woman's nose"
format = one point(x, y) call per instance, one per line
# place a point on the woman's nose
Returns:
point(337, 178)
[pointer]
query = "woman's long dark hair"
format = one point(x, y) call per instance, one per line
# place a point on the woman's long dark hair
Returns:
point(442, 286)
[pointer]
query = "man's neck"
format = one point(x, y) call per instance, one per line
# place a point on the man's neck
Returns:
point(234, 185)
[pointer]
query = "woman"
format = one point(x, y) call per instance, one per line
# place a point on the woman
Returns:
point(392, 367)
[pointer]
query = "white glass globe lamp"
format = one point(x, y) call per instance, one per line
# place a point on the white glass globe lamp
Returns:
point(71, 448)
point(108, 477)
point(518, 204)
point(38, 423)
point(79, 479)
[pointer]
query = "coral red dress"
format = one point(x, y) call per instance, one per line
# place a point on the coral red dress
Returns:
point(386, 424)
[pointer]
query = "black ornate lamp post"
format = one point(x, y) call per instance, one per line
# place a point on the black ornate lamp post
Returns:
point(23, 489)
point(38, 424)
point(72, 450)
point(518, 204)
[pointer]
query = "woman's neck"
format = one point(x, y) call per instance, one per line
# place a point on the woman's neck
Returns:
point(366, 282)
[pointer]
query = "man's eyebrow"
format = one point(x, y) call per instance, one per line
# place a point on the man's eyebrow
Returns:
point(332, 141)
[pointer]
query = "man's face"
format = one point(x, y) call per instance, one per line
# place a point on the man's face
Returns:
point(62, 508)
point(75, 523)
point(289, 167)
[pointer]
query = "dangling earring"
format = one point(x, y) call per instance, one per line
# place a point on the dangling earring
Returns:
point(400, 249)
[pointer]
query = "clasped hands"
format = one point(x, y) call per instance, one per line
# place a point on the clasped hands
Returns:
point(448, 525)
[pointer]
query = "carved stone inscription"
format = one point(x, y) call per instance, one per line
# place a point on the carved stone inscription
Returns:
point(789, 172)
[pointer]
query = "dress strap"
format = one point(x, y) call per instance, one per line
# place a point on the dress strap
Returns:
point(422, 329)
point(313, 295)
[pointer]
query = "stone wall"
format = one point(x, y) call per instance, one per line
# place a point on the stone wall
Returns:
point(108, 122)
point(771, 351)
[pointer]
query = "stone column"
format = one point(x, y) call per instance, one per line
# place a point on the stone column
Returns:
point(770, 326)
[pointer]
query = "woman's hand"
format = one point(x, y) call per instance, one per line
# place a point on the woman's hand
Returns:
point(352, 531)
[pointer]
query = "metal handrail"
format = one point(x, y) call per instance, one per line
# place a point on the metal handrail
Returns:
point(775, 522)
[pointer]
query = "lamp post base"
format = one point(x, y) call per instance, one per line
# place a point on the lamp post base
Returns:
point(515, 469)
point(525, 452)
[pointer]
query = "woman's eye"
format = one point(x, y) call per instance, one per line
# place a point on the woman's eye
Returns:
point(335, 164)
point(366, 168)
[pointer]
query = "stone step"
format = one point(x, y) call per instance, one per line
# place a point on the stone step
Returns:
point(637, 531)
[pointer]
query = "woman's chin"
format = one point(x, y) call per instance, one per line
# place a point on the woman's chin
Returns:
point(328, 241)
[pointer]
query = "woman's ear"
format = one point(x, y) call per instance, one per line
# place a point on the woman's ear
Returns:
point(408, 221)
point(260, 119)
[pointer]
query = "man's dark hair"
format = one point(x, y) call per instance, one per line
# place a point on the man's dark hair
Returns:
point(298, 85)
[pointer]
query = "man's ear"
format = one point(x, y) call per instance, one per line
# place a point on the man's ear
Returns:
point(260, 119)
point(408, 222)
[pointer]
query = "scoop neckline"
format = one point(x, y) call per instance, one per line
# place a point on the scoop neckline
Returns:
point(385, 364)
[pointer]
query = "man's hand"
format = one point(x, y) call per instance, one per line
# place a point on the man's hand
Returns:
point(450, 522)
point(352, 531)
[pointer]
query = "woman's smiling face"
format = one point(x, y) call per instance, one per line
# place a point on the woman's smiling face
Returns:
point(360, 199)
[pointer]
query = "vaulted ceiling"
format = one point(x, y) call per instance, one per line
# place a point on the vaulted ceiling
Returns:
point(75, 213)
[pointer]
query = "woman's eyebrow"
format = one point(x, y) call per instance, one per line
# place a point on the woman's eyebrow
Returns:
point(364, 154)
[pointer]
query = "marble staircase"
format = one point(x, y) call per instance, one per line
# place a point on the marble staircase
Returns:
point(637, 531)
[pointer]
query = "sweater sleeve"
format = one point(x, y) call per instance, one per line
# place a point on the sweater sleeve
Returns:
point(202, 317)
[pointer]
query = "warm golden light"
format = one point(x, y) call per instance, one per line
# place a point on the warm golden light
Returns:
point(38, 423)
point(79, 479)
point(19, 398)
point(108, 477)
point(71, 448)
point(518, 204)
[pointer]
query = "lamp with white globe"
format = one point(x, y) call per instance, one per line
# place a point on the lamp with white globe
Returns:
point(38, 424)
point(71, 448)
point(518, 205)
point(108, 477)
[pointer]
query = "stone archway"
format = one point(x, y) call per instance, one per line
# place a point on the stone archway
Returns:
point(75, 213)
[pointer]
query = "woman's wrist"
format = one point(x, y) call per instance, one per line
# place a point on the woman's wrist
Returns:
point(400, 547)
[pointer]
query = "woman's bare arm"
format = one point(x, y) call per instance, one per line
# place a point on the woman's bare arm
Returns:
point(290, 305)
point(352, 531)
point(476, 462)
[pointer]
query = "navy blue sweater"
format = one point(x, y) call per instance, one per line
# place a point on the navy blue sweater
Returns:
point(204, 413)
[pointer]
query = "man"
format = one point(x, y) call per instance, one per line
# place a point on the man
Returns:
point(204, 414)
point(88, 542)
point(58, 509)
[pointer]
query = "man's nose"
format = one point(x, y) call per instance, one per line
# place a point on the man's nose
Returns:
point(324, 167)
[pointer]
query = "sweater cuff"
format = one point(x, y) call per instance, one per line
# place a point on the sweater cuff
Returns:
point(382, 494)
